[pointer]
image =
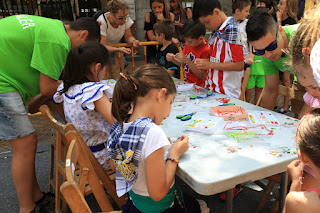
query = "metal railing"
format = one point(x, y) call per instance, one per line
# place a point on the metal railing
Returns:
point(144, 45)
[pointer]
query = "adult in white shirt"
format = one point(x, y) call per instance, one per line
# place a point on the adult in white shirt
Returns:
point(114, 25)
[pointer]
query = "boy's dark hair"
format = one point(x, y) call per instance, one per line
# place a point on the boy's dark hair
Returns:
point(203, 8)
point(89, 24)
point(127, 90)
point(240, 4)
point(259, 25)
point(193, 30)
point(79, 62)
point(166, 27)
point(269, 3)
point(260, 10)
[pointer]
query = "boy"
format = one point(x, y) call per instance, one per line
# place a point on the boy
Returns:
point(226, 53)
point(240, 11)
point(269, 40)
point(196, 47)
point(164, 31)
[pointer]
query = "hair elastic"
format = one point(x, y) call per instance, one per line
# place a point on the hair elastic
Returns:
point(123, 76)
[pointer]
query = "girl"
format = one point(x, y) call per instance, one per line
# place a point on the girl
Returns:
point(159, 12)
point(308, 140)
point(301, 46)
point(287, 12)
point(139, 147)
point(115, 25)
point(181, 16)
point(85, 100)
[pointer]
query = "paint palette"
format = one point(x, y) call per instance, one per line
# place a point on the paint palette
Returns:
point(262, 117)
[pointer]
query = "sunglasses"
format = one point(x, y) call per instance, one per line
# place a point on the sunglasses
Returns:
point(121, 17)
point(270, 47)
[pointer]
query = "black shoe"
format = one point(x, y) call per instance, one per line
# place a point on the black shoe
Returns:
point(47, 202)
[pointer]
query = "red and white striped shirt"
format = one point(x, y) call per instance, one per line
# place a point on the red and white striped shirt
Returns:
point(225, 46)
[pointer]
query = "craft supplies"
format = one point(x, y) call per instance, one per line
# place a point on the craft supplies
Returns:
point(231, 149)
point(294, 122)
point(230, 113)
point(223, 100)
point(206, 126)
point(185, 87)
point(240, 136)
point(278, 152)
point(262, 117)
point(186, 116)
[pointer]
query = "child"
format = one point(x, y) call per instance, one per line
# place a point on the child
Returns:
point(85, 100)
point(240, 11)
point(159, 12)
point(138, 146)
point(301, 47)
point(196, 47)
point(164, 31)
point(227, 59)
point(308, 140)
point(181, 16)
point(256, 79)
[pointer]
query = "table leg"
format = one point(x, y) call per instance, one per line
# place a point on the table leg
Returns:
point(229, 200)
point(283, 190)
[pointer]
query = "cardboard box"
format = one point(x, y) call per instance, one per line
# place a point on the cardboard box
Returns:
point(230, 113)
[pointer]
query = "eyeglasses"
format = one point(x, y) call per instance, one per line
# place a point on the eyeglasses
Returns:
point(270, 47)
point(121, 17)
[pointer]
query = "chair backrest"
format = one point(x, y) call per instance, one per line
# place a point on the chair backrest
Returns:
point(100, 172)
point(80, 170)
point(244, 84)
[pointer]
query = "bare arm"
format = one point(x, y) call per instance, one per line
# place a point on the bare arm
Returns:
point(150, 33)
point(201, 74)
point(114, 49)
point(103, 106)
point(130, 39)
point(228, 66)
point(189, 13)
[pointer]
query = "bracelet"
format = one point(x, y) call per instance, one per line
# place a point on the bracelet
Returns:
point(173, 160)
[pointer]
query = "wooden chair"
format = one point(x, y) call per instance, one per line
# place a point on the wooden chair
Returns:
point(103, 176)
point(244, 84)
point(61, 144)
point(79, 171)
point(61, 131)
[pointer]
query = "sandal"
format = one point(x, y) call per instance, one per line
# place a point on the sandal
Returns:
point(47, 202)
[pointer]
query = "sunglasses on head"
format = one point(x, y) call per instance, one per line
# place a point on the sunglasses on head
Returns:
point(121, 17)
point(270, 47)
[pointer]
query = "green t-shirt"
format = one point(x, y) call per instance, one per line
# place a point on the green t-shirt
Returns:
point(30, 45)
point(272, 67)
point(256, 66)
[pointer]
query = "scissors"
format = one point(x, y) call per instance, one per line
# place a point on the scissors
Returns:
point(186, 116)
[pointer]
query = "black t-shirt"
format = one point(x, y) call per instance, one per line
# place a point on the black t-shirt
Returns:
point(289, 21)
point(162, 60)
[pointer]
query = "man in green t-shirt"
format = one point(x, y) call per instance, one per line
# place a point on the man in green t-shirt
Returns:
point(32, 56)
point(269, 40)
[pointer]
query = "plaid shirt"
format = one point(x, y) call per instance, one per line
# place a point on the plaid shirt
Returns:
point(230, 33)
point(124, 149)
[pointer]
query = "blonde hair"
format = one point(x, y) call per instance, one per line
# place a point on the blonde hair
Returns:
point(115, 5)
point(180, 6)
point(307, 34)
point(292, 7)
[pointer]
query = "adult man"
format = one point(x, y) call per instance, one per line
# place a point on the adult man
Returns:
point(32, 55)
point(269, 40)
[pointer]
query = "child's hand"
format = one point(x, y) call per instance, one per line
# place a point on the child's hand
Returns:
point(159, 16)
point(181, 57)
point(125, 50)
point(170, 57)
point(202, 63)
point(279, 15)
point(175, 41)
point(249, 61)
point(178, 23)
point(179, 147)
point(294, 170)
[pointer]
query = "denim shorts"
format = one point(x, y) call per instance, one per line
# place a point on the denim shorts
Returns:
point(14, 120)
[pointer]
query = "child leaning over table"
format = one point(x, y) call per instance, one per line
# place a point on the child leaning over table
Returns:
point(84, 98)
point(164, 32)
point(145, 164)
point(196, 46)
point(226, 56)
